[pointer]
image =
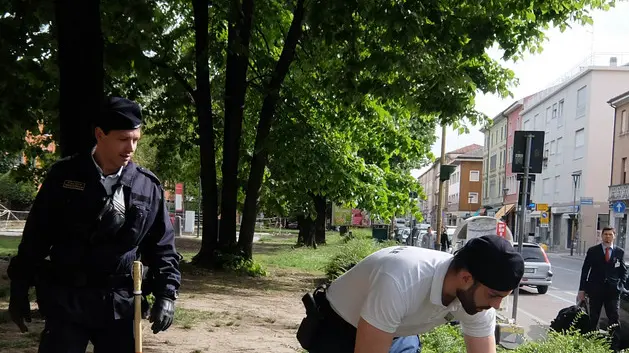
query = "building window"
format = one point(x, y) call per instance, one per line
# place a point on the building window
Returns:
point(623, 171)
point(553, 147)
point(472, 197)
point(510, 155)
point(624, 122)
point(557, 188)
point(579, 143)
point(546, 186)
point(492, 163)
point(581, 98)
point(492, 189)
point(560, 113)
point(474, 175)
point(558, 157)
point(548, 115)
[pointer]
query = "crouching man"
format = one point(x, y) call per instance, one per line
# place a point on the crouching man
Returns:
point(395, 294)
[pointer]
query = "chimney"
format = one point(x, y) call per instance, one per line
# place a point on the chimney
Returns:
point(613, 61)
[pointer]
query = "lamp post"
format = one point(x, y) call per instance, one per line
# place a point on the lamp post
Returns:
point(575, 179)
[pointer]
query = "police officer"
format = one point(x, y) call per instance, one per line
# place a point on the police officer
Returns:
point(95, 214)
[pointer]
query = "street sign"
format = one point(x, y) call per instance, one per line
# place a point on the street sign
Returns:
point(544, 219)
point(619, 207)
point(542, 207)
point(537, 151)
point(501, 229)
point(587, 201)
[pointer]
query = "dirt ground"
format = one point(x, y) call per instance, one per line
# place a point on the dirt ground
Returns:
point(215, 313)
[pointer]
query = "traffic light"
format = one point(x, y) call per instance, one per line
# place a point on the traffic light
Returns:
point(445, 171)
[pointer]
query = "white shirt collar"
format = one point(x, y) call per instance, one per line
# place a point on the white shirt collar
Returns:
point(605, 247)
point(100, 170)
point(436, 290)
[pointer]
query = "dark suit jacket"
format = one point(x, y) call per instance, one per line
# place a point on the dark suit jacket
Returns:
point(599, 277)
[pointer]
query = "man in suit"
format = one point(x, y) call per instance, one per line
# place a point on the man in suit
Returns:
point(603, 277)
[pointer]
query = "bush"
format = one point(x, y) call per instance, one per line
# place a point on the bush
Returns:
point(449, 339)
point(350, 253)
point(16, 195)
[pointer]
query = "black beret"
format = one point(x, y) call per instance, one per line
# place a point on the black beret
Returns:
point(494, 262)
point(120, 114)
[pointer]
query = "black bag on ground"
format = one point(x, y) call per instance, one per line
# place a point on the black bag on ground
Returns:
point(573, 316)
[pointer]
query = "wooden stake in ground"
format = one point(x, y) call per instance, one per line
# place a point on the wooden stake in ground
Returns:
point(137, 298)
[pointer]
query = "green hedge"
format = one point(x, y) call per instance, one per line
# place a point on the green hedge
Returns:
point(449, 339)
point(352, 251)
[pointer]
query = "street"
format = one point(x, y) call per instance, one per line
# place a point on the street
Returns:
point(536, 311)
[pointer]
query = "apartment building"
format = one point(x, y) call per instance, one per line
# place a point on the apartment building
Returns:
point(426, 204)
point(578, 141)
point(429, 180)
point(494, 164)
point(465, 187)
point(619, 183)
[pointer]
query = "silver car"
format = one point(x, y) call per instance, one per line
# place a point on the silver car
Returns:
point(537, 268)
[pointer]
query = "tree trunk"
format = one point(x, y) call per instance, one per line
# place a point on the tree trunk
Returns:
point(306, 236)
point(267, 113)
point(203, 103)
point(320, 207)
point(81, 74)
point(239, 35)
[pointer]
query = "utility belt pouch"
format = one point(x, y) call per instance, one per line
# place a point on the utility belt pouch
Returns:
point(314, 303)
point(307, 332)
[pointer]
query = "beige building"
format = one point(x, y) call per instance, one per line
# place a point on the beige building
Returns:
point(494, 164)
point(619, 183)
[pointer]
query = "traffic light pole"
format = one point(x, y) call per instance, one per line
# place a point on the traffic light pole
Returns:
point(525, 190)
point(440, 201)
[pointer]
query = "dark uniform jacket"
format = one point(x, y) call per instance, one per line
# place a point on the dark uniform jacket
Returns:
point(602, 278)
point(88, 278)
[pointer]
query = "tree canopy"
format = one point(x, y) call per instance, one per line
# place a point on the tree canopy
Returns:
point(276, 105)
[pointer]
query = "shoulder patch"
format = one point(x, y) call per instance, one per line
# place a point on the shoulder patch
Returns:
point(149, 174)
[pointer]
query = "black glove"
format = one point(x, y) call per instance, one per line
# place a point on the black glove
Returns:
point(162, 314)
point(19, 306)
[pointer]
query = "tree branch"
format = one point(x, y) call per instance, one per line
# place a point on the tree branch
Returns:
point(178, 77)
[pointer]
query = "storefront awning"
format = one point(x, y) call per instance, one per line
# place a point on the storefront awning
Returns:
point(504, 210)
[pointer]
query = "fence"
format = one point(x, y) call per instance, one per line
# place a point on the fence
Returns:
point(12, 220)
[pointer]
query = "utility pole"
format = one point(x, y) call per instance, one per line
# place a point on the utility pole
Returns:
point(441, 181)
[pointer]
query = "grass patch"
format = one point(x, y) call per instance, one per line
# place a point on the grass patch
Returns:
point(281, 252)
point(8, 245)
point(188, 318)
point(333, 258)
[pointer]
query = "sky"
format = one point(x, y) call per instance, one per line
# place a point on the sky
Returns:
point(563, 52)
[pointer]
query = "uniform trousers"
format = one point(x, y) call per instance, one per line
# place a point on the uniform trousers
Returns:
point(61, 336)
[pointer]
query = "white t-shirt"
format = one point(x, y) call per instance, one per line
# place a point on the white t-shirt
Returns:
point(398, 290)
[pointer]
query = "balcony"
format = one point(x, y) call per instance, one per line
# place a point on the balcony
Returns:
point(619, 192)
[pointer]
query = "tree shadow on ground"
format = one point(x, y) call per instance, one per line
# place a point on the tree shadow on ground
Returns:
point(201, 281)
point(271, 248)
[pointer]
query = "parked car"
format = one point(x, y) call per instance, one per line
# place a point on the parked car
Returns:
point(537, 268)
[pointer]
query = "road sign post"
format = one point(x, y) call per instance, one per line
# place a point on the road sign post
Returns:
point(525, 190)
point(528, 155)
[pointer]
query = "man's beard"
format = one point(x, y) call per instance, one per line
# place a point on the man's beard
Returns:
point(466, 297)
